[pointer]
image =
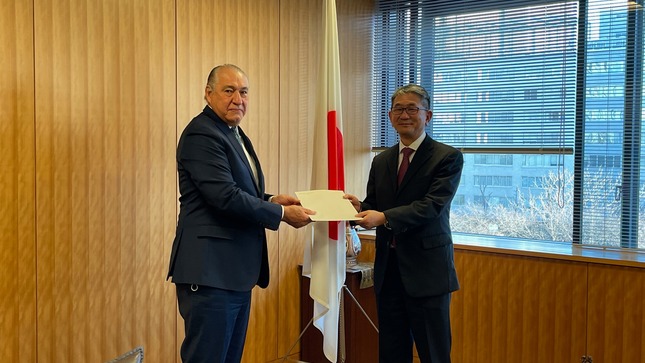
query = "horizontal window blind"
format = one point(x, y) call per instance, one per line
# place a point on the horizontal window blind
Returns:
point(513, 79)
point(609, 182)
point(501, 74)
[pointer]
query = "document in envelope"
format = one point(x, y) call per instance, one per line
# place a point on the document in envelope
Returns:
point(328, 204)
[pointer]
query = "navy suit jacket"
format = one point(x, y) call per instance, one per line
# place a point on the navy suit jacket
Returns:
point(220, 239)
point(417, 212)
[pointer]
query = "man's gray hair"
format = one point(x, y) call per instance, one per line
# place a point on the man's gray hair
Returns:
point(212, 76)
point(413, 88)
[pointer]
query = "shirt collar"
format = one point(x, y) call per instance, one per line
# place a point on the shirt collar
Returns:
point(415, 144)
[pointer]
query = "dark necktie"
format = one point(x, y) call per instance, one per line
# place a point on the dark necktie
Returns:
point(405, 163)
point(237, 135)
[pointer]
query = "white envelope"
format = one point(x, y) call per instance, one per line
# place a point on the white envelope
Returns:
point(328, 204)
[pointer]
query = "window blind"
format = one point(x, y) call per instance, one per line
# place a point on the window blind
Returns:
point(520, 79)
point(609, 182)
point(501, 74)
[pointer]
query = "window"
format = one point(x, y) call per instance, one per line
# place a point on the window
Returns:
point(493, 180)
point(493, 159)
point(548, 92)
point(541, 160)
point(532, 182)
point(530, 94)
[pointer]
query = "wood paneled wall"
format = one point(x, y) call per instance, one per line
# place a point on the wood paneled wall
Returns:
point(526, 309)
point(95, 95)
point(513, 309)
point(17, 192)
point(105, 177)
point(616, 328)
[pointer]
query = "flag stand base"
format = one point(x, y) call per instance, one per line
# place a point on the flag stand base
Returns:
point(341, 359)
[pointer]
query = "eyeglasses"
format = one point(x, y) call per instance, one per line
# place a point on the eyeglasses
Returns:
point(409, 110)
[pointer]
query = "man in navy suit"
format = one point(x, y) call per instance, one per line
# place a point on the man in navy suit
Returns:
point(220, 250)
point(408, 201)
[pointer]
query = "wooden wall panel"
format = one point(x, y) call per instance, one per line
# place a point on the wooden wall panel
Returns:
point(616, 328)
point(17, 174)
point(300, 37)
point(300, 29)
point(90, 155)
point(515, 309)
point(105, 184)
point(244, 33)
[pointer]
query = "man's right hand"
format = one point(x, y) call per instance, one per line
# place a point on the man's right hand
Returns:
point(297, 216)
point(355, 202)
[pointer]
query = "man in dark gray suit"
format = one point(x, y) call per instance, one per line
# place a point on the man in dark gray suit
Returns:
point(220, 250)
point(409, 191)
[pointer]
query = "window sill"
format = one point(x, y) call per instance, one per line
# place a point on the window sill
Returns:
point(550, 250)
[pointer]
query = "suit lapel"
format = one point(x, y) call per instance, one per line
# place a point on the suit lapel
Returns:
point(392, 165)
point(230, 135)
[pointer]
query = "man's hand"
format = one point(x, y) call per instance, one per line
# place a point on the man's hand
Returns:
point(297, 216)
point(370, 219)
point(285, 199)
point(355, 202)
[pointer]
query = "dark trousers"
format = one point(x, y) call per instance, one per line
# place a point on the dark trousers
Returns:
point(404, 319)
point(215, 321)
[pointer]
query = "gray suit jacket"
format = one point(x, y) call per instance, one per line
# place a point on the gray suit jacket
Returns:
point(418, 213)
point(220, 239)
